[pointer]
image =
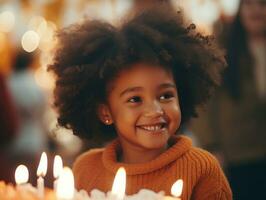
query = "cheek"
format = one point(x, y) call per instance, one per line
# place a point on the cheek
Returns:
point(125, 116)
point(174, 113)
point(178, 115)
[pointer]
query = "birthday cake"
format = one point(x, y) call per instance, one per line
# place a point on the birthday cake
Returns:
point(64, 188)
point(28, 192)
point(23, 192)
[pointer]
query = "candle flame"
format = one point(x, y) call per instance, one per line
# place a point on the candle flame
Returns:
point(119, 185)
point(21, 174)
point(177, 188)
point(42, 168)
point(58, 166)
point(65, 188)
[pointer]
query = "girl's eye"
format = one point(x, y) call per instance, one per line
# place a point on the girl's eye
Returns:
point(134, 100)
point(166, 96)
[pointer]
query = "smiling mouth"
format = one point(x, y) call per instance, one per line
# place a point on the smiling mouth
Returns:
point(153, 128)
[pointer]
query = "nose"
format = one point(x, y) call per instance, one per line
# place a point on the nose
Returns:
point(153, 109)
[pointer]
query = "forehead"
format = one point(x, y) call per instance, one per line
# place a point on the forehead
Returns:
point(142, 75)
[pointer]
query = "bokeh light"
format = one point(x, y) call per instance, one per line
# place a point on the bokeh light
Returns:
point(30, 41)
point(43, 79)
point(204, 14)
point(2, 41)
point(47, 39)
point(230, 6)
point(7, 21)
point(36, 23)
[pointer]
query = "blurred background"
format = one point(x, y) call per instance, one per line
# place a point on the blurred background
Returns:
point(28, 124)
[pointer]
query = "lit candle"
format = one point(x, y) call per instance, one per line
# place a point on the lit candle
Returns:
point(25, 189)
point(21, 175)
point(41, 172)
point(58, 166)
point(65, 185)
point(119, 185)
point(176, 190)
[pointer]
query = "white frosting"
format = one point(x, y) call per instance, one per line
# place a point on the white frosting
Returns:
point(96, 194)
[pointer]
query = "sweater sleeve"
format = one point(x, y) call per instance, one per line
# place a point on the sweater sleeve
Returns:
point(221, 195)
point(213, 183)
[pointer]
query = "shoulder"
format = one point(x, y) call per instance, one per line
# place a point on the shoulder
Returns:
point(190, 155)
point(211, 180)
point(88, 158)
point(206, 164)
point(204, 159)
point(85, 163)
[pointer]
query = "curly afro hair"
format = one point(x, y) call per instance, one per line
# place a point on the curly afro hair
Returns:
point(90, 54)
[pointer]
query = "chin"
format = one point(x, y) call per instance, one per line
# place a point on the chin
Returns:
point(155, 146)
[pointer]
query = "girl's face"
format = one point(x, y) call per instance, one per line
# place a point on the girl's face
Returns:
point(143, 105)
point(253, 16)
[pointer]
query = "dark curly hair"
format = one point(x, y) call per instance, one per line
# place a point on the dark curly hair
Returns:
point(90, 54)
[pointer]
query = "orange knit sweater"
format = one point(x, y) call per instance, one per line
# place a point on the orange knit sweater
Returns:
point(201, 173)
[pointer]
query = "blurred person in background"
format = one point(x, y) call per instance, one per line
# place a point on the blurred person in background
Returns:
point(8, 129)
point(30, 104)
point(235, 124)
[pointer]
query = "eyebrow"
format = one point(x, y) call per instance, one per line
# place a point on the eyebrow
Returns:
point(131, 89)
point(167, 85)
point(134, 89)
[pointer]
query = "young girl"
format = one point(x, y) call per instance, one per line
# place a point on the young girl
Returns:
point(140, 82)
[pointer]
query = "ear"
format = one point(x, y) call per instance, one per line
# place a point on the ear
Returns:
point(104, 114)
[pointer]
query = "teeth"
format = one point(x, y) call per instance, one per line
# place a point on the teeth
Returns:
point(152, 128)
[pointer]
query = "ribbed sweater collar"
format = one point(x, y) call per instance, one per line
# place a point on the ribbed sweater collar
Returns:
point(181, 145)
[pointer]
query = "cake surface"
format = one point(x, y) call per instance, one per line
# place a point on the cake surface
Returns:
point(28, 192)
point(23, 192)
